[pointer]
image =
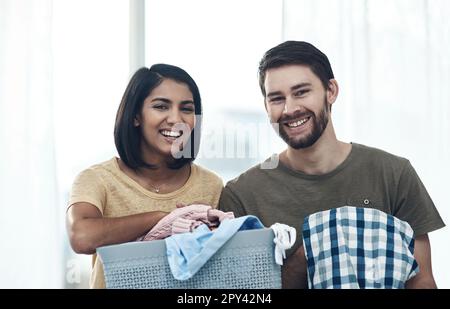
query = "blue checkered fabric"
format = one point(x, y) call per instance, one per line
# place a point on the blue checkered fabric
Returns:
point(354, 248)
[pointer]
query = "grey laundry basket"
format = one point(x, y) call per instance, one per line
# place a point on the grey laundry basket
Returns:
point(246, 261)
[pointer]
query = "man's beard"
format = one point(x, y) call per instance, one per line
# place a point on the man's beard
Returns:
point(318, 126)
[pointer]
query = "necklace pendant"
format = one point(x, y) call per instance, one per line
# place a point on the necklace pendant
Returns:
point(156, 190)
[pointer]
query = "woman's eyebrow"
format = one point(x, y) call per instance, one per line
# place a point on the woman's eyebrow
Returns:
point(161, 99)
point(185, 102)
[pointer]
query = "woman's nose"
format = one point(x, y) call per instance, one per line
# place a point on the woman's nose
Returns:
point(174, 117)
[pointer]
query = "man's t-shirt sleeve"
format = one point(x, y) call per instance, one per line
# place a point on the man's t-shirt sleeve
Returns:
point(229, 201)
point(414, 205)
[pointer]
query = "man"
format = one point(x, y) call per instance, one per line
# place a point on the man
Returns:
point(317, 171)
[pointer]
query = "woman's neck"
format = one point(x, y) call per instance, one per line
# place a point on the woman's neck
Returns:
point(161, 172)
point(160, 179)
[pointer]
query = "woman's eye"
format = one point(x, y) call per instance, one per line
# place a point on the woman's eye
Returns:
point(187, 109)
point(161, 107)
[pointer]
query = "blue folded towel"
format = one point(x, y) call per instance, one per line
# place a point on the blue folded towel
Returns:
point(188, 252)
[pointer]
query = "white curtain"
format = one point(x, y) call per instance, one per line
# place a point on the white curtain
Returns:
point(392, 61)
point(30, 227)
point(390, 57)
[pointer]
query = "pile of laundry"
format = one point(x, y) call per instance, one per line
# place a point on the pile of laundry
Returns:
point(194, 233)
point(185, 219)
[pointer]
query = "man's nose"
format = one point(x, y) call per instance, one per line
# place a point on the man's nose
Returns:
point(290, 106)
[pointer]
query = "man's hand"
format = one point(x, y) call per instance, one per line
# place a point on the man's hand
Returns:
point(294, 271)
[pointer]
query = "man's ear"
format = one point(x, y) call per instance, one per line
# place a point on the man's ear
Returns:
point(332, 91)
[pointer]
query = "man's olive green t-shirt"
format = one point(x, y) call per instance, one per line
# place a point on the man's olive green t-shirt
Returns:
point(368, 177)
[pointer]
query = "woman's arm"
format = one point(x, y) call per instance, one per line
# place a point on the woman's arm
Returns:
point(88, 230)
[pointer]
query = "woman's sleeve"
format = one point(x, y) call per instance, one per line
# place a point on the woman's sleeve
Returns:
point(88, 187)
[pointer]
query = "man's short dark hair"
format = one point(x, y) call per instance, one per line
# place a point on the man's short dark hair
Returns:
point(127, 136)
point(296, 52)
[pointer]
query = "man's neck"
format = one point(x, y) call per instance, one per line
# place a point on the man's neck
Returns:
point(321, 158)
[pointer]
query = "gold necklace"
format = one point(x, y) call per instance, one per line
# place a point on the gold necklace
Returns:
point(156, 189)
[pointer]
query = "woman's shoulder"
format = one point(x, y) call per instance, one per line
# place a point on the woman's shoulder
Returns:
point(99, 169)
point(206, 175)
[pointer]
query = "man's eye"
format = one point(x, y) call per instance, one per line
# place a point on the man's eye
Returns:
point(300, 93)
point(276, 99)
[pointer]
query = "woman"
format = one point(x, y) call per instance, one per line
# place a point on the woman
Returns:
point(157, 136)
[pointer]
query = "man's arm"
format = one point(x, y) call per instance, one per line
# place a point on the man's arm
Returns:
point(294, 271)
point(422, 253)
point(230, 202)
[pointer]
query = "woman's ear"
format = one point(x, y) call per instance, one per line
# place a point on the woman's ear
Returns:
point(137, 121)
point(332, 91)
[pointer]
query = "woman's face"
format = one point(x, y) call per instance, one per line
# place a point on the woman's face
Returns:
point(166, 119)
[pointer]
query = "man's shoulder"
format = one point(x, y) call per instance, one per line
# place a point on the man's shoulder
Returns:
point(253, 177)
point(377, 156)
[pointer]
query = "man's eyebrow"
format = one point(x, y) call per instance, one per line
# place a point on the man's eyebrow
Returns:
point(301, 85)
point(275, 93)
point(295, 87)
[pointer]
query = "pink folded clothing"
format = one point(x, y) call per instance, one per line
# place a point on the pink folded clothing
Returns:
point(186, 219)
point(182, 225)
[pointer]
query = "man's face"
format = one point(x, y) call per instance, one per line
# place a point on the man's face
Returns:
point(297, 101)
